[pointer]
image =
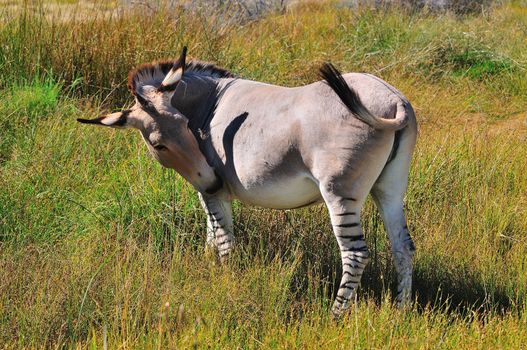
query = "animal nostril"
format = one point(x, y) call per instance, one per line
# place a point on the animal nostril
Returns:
point(199, 174)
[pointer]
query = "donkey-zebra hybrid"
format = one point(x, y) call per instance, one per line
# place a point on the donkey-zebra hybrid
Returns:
point(279, 147)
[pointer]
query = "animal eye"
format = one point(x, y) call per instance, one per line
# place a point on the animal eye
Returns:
point(160, 147)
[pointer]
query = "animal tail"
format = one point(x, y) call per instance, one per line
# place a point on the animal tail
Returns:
point(334, 79)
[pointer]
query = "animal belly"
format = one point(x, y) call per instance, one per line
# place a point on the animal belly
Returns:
point(285, 194)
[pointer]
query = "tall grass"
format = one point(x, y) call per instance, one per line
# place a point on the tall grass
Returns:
point(99, 243)
point(99, 51)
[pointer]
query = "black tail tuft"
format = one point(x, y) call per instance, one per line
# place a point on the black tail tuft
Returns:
point(334, 79)
point(351, 100)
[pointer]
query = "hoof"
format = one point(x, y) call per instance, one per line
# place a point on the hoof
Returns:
point(339, 310)
point(403, 304)
point(225, 257)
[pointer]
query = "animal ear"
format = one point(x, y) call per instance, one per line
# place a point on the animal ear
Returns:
point(114, 120)
point(175, 74)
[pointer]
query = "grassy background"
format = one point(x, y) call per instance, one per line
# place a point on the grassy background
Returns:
point(99, 243)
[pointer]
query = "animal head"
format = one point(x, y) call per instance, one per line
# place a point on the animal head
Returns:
point(164, 129)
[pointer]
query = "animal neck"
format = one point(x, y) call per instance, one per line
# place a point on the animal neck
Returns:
point(196, 98)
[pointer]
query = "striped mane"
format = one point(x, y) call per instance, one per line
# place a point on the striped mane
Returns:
point(154, 73)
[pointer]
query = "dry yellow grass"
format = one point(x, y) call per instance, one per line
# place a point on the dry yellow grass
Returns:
point(96, 238)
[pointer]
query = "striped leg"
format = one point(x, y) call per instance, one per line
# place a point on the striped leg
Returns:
point(345, 218)
point(403, 247)
point(388, 193)
point(219, 224)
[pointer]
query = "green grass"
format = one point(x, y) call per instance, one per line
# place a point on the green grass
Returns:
point(22, 109)
point(98, 241)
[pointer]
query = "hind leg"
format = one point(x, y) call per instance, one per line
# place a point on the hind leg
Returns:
point(391, 208)
point(388, 193)
point(344, 209)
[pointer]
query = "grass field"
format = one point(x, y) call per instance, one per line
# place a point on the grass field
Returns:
point(100, 245)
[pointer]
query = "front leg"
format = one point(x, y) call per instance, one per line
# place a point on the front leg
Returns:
point(219, 224)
